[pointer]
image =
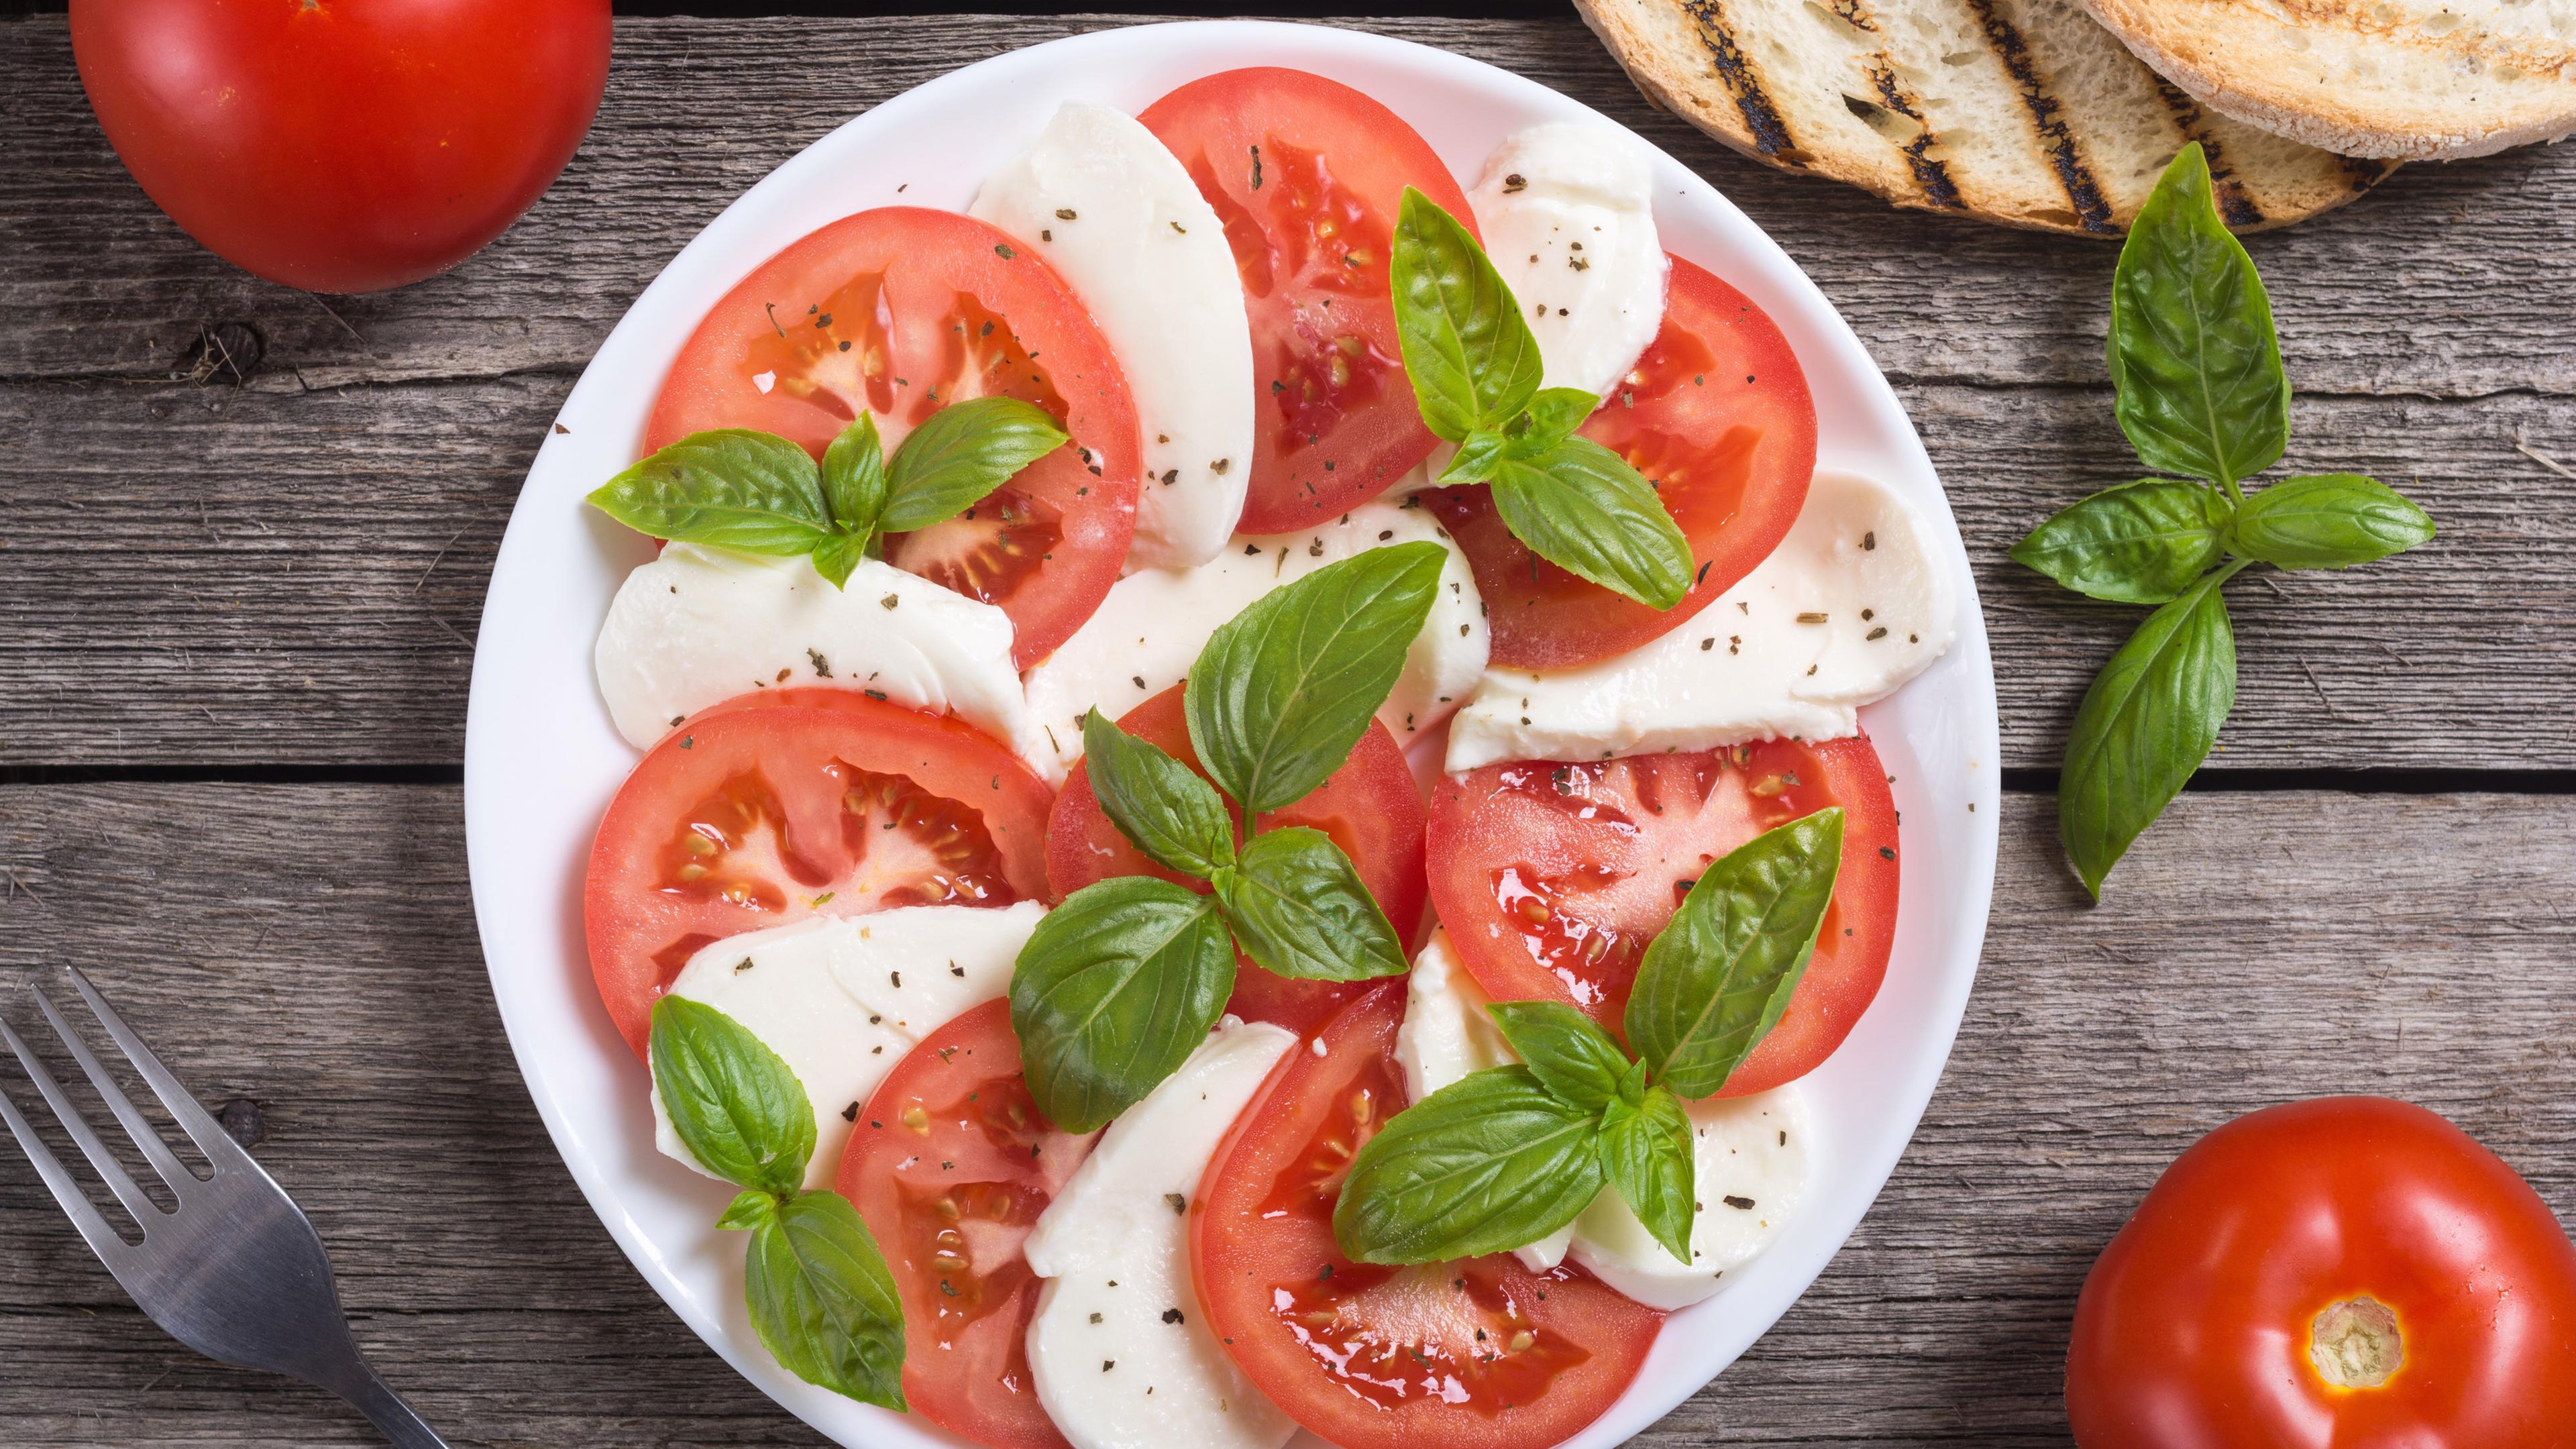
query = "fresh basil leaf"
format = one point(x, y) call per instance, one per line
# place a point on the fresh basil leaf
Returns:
point(2145, 726)
point(1161, 805)
point(737, 1108)
point(823, 1302)
point(2327, 521)
point(730, 488)
point(1646, 1154)
point(1581, 507)
point(854, 479)
point(2194, 360)
point(1492, 1162)
point(1565, 1049)
point(960, 453)
point(1285, 689)
point(1298, 909)
point(1470, 354)
point(750, 1208)
point(1114, 990)
point(1714, 983)
point(1479, 454)
point(1554, 414)
point(2139, 543)
point(837, 557)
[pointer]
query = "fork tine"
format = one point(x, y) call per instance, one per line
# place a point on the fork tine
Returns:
point(201, 1127)
point(111, 1171)
point(155, 1151)
point(102, 1239)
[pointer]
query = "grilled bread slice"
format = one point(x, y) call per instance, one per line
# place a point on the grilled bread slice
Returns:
point(2024, 112)
point(2407, 78)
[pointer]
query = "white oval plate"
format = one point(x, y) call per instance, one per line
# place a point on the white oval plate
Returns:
point(541, 759)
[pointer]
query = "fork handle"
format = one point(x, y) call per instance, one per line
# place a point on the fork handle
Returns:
point(386, 1410)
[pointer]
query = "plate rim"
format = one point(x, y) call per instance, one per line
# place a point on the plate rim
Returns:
point(1663, 1383)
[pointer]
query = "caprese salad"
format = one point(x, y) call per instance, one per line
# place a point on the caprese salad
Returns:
point(1251, 798)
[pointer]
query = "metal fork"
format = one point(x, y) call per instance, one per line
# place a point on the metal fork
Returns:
point(236, 1271)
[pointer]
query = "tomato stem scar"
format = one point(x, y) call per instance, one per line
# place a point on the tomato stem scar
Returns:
point(2355, 1344)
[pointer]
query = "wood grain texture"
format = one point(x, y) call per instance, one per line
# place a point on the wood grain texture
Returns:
point(2448, 281)
point(311, 949)
point(212, 573)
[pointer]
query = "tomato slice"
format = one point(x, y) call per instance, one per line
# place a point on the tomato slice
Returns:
point(1307, 175)
point(766, 810)
point(901, 311)
point(1477, 1354)
point(1369, 807)
point(950, 1164)
point(1717, 414)
point(1552, 878)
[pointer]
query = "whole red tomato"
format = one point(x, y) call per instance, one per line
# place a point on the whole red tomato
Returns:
point(2345, 1273)
point(343, 145)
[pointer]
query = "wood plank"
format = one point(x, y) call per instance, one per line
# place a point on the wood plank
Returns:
point(311, 949)
point(2448, 281)
point(210, 573)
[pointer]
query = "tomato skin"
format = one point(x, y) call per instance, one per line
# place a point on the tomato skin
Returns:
point(798, 756)
point(1717, 413)
point(1263, 1258)
point(900, 311)
point(953, 1122)
point(2194, 1327)
point(1308, 174)
point(1369, 807)
point(1601, 846)
point(343, 147)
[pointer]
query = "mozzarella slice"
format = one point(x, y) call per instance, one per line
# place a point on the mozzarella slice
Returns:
point(1447, 1034)
point(1851, 605)
point(1150, 629)
point(699, 625)
point(1113, 212)
point(841, 999)
point(1568, 216)
point(1121, 1355)
point(1750, 1158)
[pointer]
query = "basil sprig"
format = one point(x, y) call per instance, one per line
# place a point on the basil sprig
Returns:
point(1475, 370)
point(1504, 1157)
point(2196, 370)
point(819, 1292)
point(757, 492)
point(1119, 983)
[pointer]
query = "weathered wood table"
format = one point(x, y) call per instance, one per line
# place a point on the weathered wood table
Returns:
point(243, 543)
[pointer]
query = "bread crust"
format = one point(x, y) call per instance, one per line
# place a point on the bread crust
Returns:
point(2090, 125)
point(2356, 76)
